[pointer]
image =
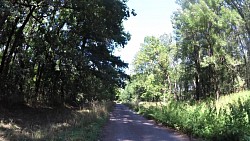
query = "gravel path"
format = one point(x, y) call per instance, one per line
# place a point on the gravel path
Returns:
point(125, 125)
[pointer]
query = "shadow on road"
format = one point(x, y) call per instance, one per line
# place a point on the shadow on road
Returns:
point(125, 125)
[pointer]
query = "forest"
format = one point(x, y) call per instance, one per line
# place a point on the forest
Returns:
point(207, 56)
point(61, 51)
point(57, 58)
point(59, 72)
point(196, 79)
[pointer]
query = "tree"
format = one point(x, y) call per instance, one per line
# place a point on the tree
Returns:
point(210, 55)
point(202, 39)
point(242, 8)
point(55, 51)
point(151, 66)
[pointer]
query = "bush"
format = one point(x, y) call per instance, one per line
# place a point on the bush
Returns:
point(225, 119)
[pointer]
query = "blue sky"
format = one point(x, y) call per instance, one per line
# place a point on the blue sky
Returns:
point(153, 18)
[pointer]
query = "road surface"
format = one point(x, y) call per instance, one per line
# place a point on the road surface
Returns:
point(125, 125)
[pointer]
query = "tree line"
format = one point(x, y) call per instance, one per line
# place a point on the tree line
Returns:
point(207, 56)
point(61, 51)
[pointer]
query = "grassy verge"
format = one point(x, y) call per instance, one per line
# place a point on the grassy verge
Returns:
point(225, 119)
point(26, 123)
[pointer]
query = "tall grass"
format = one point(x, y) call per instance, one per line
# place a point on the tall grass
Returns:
point(84, 124)
point(225, 119)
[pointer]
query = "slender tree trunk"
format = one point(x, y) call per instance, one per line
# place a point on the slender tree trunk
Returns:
point(198, 92)
point(175, 91)
point(169, 84)
point(16, 41)
point(3, 19)
point(246, 70)
point(180, 90)
point(198, 89)
point(248, 64)
point(217, 89)
point(38, 78)
point(4, 57)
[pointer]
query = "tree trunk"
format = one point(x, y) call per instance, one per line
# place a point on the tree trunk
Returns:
point(16, 42)
point(3, 19)
point(198, 92)
point(198, 88)
point(175, 91)
point(248, 64)
point(217, 89)
point(38, 78)
point(4, 57)
point(169, 84)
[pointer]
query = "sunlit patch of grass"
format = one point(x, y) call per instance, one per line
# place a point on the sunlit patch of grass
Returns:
point(233, 99)
point(59, 124)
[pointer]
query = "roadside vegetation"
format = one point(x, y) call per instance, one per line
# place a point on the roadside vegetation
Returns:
point(64, 57)
point(225, 119)
point(197, 79)
point(54, 124)
point(55, 53)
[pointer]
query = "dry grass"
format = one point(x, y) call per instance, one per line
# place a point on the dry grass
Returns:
point(27, 123)
point(154, 104)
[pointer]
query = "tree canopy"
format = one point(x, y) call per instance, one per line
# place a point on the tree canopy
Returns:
point(59, 51)
point(208, 57)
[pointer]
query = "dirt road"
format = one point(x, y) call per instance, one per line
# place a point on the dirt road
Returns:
point(125, 125)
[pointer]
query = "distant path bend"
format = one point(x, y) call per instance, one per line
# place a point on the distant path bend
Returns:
point(125, 125)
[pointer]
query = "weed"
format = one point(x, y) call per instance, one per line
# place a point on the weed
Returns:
point(63, 124)
point(225, 119)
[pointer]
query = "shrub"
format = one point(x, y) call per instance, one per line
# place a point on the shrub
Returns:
point(225, 119)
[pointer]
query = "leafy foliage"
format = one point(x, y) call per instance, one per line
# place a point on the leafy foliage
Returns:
point(207, 60)
point(53, 52)
point(226, 119)
point(151, 67)
point(193, 77)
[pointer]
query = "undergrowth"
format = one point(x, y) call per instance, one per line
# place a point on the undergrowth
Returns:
point(225, 119)
point(55, 125)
